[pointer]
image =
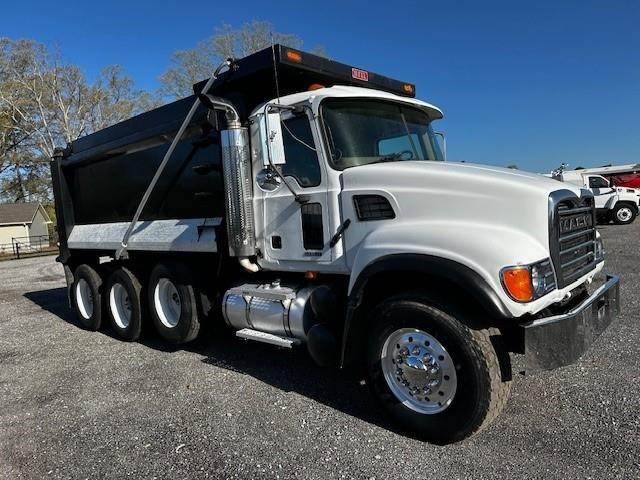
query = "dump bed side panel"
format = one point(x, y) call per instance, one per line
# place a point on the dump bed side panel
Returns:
point(109, 190)
point(101, 179)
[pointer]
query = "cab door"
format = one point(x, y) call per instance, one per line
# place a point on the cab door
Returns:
point(601, 189)
point(295, 216)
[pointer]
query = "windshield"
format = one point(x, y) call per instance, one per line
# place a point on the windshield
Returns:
point(362, 131)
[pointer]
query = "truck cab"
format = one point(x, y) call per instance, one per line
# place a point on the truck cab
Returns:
point(318, 211)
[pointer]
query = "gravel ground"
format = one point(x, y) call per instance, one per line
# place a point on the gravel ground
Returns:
point(75, 404)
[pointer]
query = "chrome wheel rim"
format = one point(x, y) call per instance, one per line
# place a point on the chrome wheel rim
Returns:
point(120, 305)
point(624, 214)
point(419, 371)
point(84, 299)
point(167, 303)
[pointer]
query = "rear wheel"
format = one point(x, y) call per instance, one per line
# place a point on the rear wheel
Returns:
point(86, 297)
point(172, 301)
point(433, 374)
point(124, 304)
point(624, 214)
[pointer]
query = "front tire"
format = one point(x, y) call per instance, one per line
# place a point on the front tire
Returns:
point(433, 374)
point(624, 214)
point(172, 302)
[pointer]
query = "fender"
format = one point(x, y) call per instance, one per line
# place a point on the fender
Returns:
point(630, 200)
point(428, 265)
point(611, 202)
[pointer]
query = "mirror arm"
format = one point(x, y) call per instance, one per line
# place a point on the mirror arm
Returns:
point(444, 143)
point(301, 199)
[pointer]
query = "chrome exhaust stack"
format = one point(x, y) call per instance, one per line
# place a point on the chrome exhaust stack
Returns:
point(236, 167)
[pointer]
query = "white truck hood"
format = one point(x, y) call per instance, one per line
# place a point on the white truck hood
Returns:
point(473, 173)
point(480, 216)
point(462, 192)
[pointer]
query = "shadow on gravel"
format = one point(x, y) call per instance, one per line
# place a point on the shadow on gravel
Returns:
point(54, 301)
point(287, 370)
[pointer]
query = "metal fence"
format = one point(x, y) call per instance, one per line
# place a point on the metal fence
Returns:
point(24, 246)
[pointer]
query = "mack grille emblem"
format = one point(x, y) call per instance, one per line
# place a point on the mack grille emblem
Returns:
point(575, 222)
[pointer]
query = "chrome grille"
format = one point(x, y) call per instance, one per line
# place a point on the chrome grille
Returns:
point(573, 238)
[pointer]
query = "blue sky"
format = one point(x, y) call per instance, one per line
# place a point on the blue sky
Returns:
point(530, 83)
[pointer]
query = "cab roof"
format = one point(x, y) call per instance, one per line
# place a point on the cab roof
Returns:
point(314, 97)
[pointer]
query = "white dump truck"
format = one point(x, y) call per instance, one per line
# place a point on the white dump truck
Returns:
point(619, 204)
point(306, 203)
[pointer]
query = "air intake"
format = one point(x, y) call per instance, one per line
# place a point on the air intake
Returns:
point(236, 165)
point(373, 207)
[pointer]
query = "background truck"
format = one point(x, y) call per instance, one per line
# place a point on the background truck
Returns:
point(306, 203)
point(619, 175)
point(619, 204)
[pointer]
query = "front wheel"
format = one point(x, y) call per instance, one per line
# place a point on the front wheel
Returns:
point(433, 374)
point(624, 214)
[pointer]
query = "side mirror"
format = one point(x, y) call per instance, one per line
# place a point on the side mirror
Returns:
point(272, 142)
point(442, 144)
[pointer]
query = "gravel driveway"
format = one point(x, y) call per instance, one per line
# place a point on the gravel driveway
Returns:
point(76, 404)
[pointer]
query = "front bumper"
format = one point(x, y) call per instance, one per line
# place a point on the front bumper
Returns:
point(560, 340)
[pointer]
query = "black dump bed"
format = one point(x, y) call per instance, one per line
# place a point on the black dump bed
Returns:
point(102, 177)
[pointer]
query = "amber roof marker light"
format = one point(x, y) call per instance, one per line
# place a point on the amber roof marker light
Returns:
point(408, 88)
point(293, 56)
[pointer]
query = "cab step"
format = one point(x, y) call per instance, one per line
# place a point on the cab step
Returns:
point(258, 336)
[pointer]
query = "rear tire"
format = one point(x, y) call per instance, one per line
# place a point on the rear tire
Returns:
point(172, 302)
point(624, 214)
point(86, 297)
point(467, 390)
point(123, 297)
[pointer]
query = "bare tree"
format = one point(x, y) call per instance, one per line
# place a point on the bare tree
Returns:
point(192, 65)
point(46, 103)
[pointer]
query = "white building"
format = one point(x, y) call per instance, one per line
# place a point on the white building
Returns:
point(23, 223)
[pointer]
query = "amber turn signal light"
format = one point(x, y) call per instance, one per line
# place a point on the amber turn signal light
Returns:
point(517, 282)
point(294, 56)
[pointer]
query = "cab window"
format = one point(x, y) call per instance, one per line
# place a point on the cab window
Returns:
point(598, 182)
point(299, 150)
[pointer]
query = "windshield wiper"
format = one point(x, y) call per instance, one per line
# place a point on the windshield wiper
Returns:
point(392, 157)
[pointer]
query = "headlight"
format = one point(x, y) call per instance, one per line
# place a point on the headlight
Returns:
point(599, 250)
point(525, 283)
